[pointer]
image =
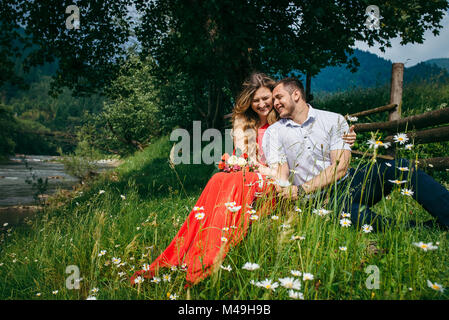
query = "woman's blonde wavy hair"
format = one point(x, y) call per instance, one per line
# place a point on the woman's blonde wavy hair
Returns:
point(243, 113)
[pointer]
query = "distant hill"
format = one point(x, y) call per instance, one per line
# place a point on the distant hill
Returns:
point(375, 71)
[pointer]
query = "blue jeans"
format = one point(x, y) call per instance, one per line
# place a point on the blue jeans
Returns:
point(368, 185)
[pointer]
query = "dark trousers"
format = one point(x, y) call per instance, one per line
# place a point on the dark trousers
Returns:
point(368, 185)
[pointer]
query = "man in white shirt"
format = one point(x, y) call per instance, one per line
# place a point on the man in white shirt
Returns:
point(309, 140)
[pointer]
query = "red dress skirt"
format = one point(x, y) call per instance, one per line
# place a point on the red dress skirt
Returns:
point(220, 219)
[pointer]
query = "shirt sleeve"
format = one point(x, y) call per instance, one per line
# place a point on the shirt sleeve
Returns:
point(272, 147)
point(340, 128)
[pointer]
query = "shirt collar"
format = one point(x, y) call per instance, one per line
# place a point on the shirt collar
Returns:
point(311, 116)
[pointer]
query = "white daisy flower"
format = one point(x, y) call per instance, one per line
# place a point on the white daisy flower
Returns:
point(224, 239)
point(5, 224)
point(250, 266)
point(425, 246)
point(274, 217)
point(101, 192)
point(345, 215)
point(367, 228)
point(284, 226)
point(295, 295)
point(173, 296)
point(55, 291)
point(116, 260)
point(156, 280)
point(102, 253)
point(268, 284)
point(296, 273)
point(298, 210)
point(196, 208)
point(234, 208)
point(199, 215)
point(123, 197)
point(38, 294)
point(401, 138)
point(321, 212)
point(290, 283)
point(173, 268)
point(251, 211)
point(307, 276)
point(408, 146)
point(343, 248)
point(407, 192)
point(377, 143)
point(166, 278)
point(345, 222)
point(227, 268)
point(352, 119)
point(225, 229)
point(94, 290)
point(388, 164)
point(398, 181)
point(254, 217)
point(297, 237)
point(435, 286)
point(403, 169)
point(139, 279)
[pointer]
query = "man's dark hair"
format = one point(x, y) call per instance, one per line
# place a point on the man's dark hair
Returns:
point(291, 84)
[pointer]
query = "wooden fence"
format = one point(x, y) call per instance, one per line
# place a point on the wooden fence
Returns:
point(433, 123)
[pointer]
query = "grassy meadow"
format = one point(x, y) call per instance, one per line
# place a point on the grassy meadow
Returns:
point(134, 211)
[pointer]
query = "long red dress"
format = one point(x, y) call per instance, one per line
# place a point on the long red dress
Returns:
point(220, 219)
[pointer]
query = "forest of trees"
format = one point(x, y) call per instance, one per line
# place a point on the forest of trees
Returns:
point(188, 63)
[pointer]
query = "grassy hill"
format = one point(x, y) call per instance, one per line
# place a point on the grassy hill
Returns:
point(144, 202)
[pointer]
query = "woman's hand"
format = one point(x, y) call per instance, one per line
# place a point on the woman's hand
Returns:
point(350, 137)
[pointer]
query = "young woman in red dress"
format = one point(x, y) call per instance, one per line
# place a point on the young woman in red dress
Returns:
point(222, 214)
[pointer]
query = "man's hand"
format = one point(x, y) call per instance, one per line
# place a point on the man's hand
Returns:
point(350, 137)
point(290, 192)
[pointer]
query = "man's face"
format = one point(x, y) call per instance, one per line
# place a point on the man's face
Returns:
point(283, 101)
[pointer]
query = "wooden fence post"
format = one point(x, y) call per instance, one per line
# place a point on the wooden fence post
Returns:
point(397, 81)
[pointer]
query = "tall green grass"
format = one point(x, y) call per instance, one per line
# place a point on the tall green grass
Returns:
point(145, 202)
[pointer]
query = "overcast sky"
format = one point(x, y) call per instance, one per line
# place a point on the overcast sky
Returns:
point(432, 47)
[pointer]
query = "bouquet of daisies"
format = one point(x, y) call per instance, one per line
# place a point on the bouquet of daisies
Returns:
point(233, 163)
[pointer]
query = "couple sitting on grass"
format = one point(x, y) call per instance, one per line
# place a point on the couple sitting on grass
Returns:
point(290, 137)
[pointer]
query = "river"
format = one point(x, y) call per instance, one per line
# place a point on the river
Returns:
point(14, 191)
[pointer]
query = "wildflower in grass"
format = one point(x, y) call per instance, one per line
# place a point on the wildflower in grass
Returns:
point(407, 192)
point(94, 290)
point(116, 260)
point(146, 267)
point(398, 181)
point(408, 146)
point(225, 229)
point(137, 228)
point(101, 191)
point(172, 296)
point(377, 143)
point(275, 217)
point(307, 276)
point(343, 248)
point(250, 266)
point(284, 226)
point(102, 253)
point(425, 246)
point(435, 286)
point(199, 215)
point(224, 239)
point(5, 224)
point(290, 283)
point(1, 264)
point(296, 273)
point(155, 280)
point(233, 208)
point(298, 210)
point(295, 295)
point(254, 217)
point(123, 197)
point(55, 291)
point(388, 164)
point(352, 119)
point(345, 222)
point(121, 274)
point(166, 278)
point(268, 284)
point(401, 138)
point(38, 294)
point(196, 208)
point(297, 237)
point(230, 204)
point(321, 212)
point(403, 169)
point(183, 267)
point(251, 211)
point(430, 165)
point(367, 228)
point(91, 298)
point(345, 215)
point(139, 279)
point(227, 268)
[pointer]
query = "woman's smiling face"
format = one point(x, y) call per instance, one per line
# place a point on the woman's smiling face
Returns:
point(262, 102)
